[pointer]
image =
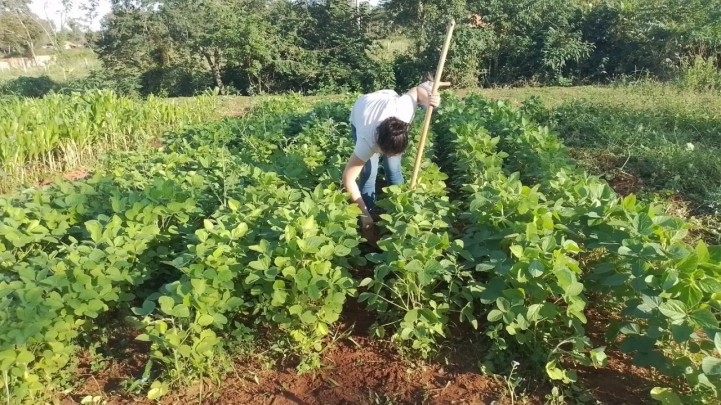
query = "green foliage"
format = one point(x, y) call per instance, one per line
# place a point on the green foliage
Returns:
point(63, 131)
point(28, 86)
point(237, 229)
point(530, 230)
point(255, 47)
point(668, 147)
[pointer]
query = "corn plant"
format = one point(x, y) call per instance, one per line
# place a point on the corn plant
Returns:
point(61, 132)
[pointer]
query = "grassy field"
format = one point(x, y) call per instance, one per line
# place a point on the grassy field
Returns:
point(70, 65)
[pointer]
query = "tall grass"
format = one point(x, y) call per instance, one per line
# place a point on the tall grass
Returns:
point(669, 139)
point(61, 132)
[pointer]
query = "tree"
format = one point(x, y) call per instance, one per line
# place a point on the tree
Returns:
point(21, 27)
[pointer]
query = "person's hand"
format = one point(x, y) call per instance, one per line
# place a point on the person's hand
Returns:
point(434, 100)
point(368, 228)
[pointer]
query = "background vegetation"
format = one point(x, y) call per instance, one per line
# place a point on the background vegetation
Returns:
point(318, 47)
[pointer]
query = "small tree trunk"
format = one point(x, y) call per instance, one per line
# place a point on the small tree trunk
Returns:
point(213, 60)
point(34, 60)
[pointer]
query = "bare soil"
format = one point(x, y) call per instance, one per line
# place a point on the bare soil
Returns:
point(72, 175)
point(358, 370)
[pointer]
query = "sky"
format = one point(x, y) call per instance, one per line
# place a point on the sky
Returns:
point(53, 9)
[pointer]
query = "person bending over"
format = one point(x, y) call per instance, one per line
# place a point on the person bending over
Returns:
point(379, 125)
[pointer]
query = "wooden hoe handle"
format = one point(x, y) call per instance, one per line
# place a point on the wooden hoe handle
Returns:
point(429, 112)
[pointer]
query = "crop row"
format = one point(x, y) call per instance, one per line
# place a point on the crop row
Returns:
point(243, 239)
point(551, 240)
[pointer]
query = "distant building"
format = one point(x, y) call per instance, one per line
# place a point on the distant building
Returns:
point(71, 45)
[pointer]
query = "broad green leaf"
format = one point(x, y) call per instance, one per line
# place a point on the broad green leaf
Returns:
point(495, 315)
point(681, 333)
point(7, 358)
point(503, 304)
point(571, 246)
point(535, 269)
point(643, 224)
point(565, 277)
point(688, 293)
point(166, 304)
point(157, 390)
point(411, 316)
point(308, 317)
point(25, 357)
point(554, 372)
point(666, 396)
point(205, 320)
point(523, 324)
point(570, 375)
point(598, 356)
point(302, 278)
point(322, 328)
point(414, 266)
point(342, 250)
point(327, 251)
point(629, 202)
point(517, 251)
point(548, 311)
point(262, 264)
point(181, 311)
point(689, 264)
point(533, 313)
point(676, 310)
point(239, 231)
point(704, 318)
point(574, 289)
point(365, 282)
point(711, 365)
point(615, 280)
point(148, 307)
point(717, 342)
point(95, 229)
point(709, 285)
point(279, 297)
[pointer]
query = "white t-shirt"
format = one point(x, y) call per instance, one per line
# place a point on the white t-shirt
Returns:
point(370, 110)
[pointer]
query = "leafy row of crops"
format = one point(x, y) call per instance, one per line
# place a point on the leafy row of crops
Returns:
point(59, 132)
point(237, 231)
point(553, 240)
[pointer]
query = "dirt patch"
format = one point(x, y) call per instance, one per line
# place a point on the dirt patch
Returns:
point(367, 374)
point(625, 184)
point(72, 175)
point(620, 382)
point(358, 370)
point(126, 361)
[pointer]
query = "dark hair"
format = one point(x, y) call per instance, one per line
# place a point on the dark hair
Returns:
point(393, 136)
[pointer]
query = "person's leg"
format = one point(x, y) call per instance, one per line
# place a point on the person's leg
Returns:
point(367, 182)
point(392, 169)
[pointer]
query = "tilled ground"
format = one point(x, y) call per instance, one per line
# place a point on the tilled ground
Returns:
point(357, 370)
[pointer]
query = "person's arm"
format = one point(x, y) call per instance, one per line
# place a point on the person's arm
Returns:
point(350, 174)
point(422, 94)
